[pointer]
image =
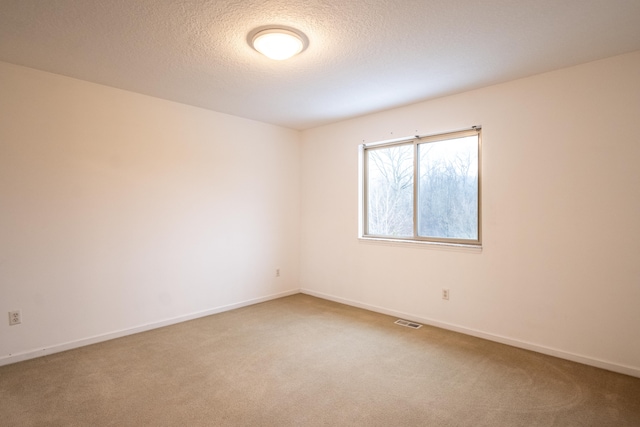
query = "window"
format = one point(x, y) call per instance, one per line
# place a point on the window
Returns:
point(424, 189)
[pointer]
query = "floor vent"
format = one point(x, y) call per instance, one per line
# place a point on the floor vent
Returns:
point(408, 324)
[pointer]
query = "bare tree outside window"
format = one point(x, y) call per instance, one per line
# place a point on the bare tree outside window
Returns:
point(446, 199)
point(390, 188)
point(448, 189)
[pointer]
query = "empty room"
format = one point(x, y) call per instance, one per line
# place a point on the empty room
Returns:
point(319, 213)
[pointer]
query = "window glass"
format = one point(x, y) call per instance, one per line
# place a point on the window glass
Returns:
point(448, 188)
point(390, 191)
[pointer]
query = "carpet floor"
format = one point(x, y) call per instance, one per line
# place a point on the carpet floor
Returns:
point(304, 361)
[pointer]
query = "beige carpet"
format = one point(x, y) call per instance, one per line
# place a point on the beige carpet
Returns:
point(303, 361)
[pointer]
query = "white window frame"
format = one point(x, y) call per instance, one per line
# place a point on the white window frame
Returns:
point(416, 140)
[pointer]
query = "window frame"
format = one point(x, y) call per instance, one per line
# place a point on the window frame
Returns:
point(415, 141)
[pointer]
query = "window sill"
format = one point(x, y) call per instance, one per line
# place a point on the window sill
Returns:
point(459, 247)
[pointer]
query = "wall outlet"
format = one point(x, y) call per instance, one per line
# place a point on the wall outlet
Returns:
point(277, 272)
point(15, 317)
point(445, 294)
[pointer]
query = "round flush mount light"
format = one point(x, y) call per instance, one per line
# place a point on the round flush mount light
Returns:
point(278, 43)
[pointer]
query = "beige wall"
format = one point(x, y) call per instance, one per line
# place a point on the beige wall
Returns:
point(120, 212)
point(559, 271)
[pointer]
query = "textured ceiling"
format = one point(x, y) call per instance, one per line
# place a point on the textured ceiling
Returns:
point(364, 55)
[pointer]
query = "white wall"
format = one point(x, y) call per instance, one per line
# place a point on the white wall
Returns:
point(119, 210)
point(559, 270)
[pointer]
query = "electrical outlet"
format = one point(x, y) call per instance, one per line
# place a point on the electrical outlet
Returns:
point(445, 294)
point(15, 317)
point(277, 272)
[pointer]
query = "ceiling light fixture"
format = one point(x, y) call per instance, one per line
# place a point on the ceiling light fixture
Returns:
point(278, 43)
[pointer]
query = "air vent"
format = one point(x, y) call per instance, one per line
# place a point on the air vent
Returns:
point(408, 324)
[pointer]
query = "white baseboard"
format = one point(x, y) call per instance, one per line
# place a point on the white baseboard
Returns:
point(614, 367)
point(32, 354)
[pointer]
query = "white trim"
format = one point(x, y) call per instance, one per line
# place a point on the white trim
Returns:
point(614, 367)
point(430, 137)
point(388, 241)
point(416, 142)
point(610, 366)
point(32, 354)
